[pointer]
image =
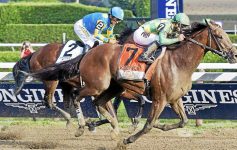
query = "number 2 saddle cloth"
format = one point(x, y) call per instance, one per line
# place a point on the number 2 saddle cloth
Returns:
point(70, 50)
point(129, 68)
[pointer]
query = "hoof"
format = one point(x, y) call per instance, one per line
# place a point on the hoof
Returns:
point(129, 140)
point(165, 128)
point(121, 146)
point(79, 132)
point(114, 134)
point(68, 124)
point(132, 129)
point(91, 128)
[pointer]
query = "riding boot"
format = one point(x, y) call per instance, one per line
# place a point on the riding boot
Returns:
point(86, 48)
point(145, 57)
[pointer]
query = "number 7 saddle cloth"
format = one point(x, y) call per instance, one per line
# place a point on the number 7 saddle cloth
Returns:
point(129, 68)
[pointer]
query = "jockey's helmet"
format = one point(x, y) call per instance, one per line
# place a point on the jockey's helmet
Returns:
point(116, 12)
point(181, 18)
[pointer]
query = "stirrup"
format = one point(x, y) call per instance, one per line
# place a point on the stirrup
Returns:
point(86, 48)
point(145, 59)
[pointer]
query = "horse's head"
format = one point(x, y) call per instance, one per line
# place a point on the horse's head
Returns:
point(218, 39)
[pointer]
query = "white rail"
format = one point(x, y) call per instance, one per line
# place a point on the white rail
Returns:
point(20, 44)
point(197, 76)
point(217, 66)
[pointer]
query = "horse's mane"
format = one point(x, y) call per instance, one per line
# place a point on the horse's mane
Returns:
point(195, 27)
point(124, 35)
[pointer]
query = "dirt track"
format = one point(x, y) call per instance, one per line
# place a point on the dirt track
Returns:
point(57, 136)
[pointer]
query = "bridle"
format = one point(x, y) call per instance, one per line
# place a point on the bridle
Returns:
point(211, 36)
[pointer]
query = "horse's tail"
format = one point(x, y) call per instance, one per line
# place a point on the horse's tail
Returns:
point(20, 71)
point(60, 71)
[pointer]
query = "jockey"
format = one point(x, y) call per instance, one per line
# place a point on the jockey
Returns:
point(160, 32)
point(89, 28)
point(26, 49)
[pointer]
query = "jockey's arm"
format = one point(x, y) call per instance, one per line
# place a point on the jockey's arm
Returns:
point(151, 26)
point(98, 30)
point(110, 34)
point(163, 36)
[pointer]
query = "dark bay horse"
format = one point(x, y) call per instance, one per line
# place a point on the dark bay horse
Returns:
point(44, 57)
point(170, 81)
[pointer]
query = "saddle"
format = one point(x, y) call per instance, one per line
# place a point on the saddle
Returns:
point(71, 50)
point(132, 69)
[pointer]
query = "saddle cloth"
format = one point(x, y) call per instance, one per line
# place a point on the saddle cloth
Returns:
point(70, 50)
point(129, 66)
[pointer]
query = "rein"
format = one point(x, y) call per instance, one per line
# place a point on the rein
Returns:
point(219, 52)
point(222, 54)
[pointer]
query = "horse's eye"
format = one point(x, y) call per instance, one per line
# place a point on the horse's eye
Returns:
point(219, 37)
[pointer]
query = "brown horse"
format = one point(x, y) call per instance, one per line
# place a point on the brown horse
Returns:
point(69, 81)
point(170, 81)
point(44, 57)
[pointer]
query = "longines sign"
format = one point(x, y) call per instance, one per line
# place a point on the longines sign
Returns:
point(207, 101)
point(217, 101)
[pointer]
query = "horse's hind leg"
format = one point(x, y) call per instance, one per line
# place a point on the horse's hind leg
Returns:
point(50, 87)
point(179, 110)
point(85, 91)
point(135, 120)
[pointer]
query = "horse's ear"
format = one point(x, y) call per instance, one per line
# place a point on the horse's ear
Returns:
point(206, 21)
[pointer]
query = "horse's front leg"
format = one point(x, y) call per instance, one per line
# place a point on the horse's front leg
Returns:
point(105, 108)
point(112, 119)
point(135, 120)
point(112, 108)
point(157, 107)
point(179, 110)
point(50, 87)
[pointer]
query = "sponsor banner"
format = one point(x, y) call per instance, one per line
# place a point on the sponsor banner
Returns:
point(168, 8)
point(206, 101)
point(30, 102)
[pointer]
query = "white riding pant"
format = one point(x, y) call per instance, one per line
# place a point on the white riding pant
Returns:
point(84, 34)
point(142, 38)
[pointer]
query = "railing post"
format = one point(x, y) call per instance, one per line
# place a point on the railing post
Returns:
point(235, 29)
point(64, 38)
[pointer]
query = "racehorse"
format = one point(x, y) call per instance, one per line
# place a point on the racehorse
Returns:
point(44, 57)
point(170, 81)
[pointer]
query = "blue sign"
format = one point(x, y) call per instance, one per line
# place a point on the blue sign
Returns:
point(168, 8)
point(206, 101)
point(30, 102)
